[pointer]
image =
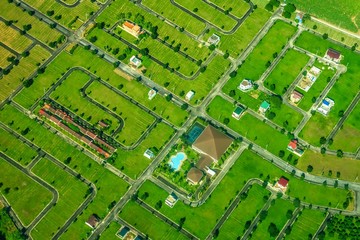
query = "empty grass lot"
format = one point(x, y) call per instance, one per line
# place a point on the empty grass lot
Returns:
point(68, 94)
point(306, 224)
point(5, 54)
point(71, 195)
point(68, 16)
point(136, 120)
point(22, 71)
point(110, 232)
point(13, 39)
point(16, 149)
point(104, 180)
point(176, 15)
point(238, 8)
point(343, 14)
point(201, 220)
point(347, 138)
point(40, 30)
point(276, 215)
point(26, 197)
point(247, 210)
point(133, 162)
point(286, 71)
point(148, 223)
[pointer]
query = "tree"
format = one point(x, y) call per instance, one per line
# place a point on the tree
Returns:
point(27, 83)
point(195, 10)
point(289, 214)
point(247, 224)
point(269, 7)
point(273, 230)
point(145, 196)
point(322, 140)
point(281, 153)
point(144, 51)
point(50, 13)
point(169, 97)
point(226, 55)
point(271, 115)
point(184, 106)
point(158, 205)
point(286, 14)
point(233, 74)
point(202, 69)
point(67, 160)
point(296, 202)
point(325, 36)
point(263, 214)
point(339, 153)
point(212, 47)
point(232, 93)
point(309, 168)
point(27, 27)
point(290, 8)
point(93, 39)
point(323, 150)
point(272, 87)
point(226, 121)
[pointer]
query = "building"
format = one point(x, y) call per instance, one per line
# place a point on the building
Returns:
point(299, 16)
point(214, 39)
point(237, 112)
point(132, 28)
point(194, 176)
point(212, 143)
point(135, 62)
point(204, 162)
point(326, 106)
point(152, 93)
point(296, 97)
point(295, 147)
point(308, 80)
point(171, 200)
point(149, 154)
point(333, 55)
point(93, 221)
point(245, 85)
point(282, 184)
point(210, 172)
point(264, 106)
point(189, 95)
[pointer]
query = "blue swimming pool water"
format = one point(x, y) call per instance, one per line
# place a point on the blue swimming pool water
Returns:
point(175, 160)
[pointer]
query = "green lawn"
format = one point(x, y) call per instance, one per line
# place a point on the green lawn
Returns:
point(276, 215)
point(13, 38)
point(71, 191)
point(286, 71)
point(306, 224)
point(246, 211)
point(147, 223)
point(16, 149)
point(26, 197)
point(7, 227)
point(238, 8)
point(110, 232)
point(5, 55)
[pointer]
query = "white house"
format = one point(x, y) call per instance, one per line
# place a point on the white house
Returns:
point(246, 85)
point(149, 154)
point(152, 93)
point(134, 61)
point(326, 106)
point(213, 39)
point(189, 95)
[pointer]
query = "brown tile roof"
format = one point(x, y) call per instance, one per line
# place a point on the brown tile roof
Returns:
point(93, 221)
point(212, 142)
point(194, 175)
point(333, 53)
point(205, 161)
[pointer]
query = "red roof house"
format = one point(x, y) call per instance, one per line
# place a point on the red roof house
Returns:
point(283, 182)
point(293, 144)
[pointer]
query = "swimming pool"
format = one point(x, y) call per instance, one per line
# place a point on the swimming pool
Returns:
point(176, 160)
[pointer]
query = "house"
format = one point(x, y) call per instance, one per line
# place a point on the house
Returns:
point(299, 16)
point(171, 200)
point(189, 95)
point(333, 55)
point(149, 154)
point(123, 231)
point(295, 147)
point(326, 106)
point(296, 97)
point(282, 184)
point(103, 124)
point(237, 112)
point(264, 106)
point(152, 93)
point(210, 172)
point(135, 62)
point(194, 175)
point(214, 39)
point(93, 221)
point(204, 162)
point(132, 28)
point(212, 143)
point(91, 134)
point(245, 85)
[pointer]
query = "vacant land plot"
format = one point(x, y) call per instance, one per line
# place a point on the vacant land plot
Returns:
point(148, 223)
point(347, 138)
point(133, 162)
point(276, 215)
point(110, 232)
point(13, 39)
point(306, 224)
point(246, 211)
point(286, 71)
point(27, 197)
point(238, 8)
point(5, 54)
point(343, 14)
point(16, 149)
point(136, 120)
point(39, 29)
point(71, 17)
point(71, 191)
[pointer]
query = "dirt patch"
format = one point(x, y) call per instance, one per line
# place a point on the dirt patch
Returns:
point(254, 94)
point(123, 74)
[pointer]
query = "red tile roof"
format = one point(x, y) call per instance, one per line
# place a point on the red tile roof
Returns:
point(293, 144)
point(333, 53)
point(283, 182)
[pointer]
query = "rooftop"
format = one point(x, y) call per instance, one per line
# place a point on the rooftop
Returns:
point(194, 175)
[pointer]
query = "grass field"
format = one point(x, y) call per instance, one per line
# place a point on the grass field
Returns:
point(16, 149)
point(13, 39)
point(286, 71)
point(5, 54)
point(22, 71)
point(347, 138)
point(133, 162)
point(238, 8)
point(111, 231)
point(343, 14)
point(276, 215)
point(246, 211)
point(307, 223)
point(104, 180)
point(71, 194)
point(40, 30)
point(135, 119)
point(202, 219)
point(147, 223)
point(26, 197)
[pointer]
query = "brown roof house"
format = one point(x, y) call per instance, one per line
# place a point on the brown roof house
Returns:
point(194, 176)
point(93, 221)
point(333, 55)
point(212, 142)
point(204, 162)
